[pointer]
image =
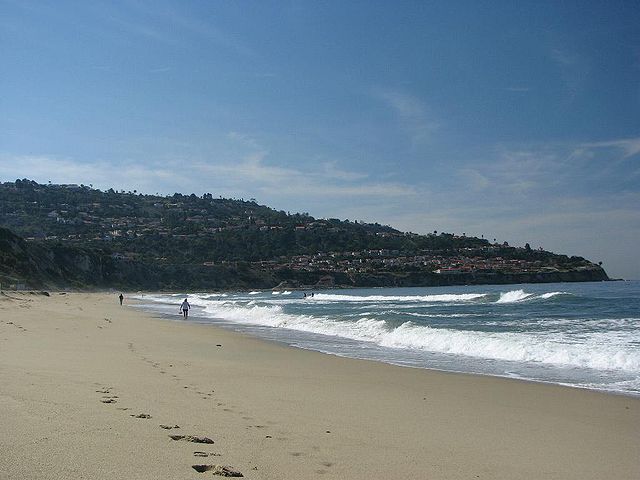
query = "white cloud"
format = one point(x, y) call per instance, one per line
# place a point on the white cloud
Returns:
point(331, 170)
point(244, 177)
point(475, 179)
point(418, 123)
point(630, 146)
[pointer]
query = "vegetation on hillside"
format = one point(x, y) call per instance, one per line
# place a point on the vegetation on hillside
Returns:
point(151, 241)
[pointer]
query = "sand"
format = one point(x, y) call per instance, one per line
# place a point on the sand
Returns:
point(89, 389)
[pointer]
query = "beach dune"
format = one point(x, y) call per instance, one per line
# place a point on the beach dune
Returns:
point(90, 389)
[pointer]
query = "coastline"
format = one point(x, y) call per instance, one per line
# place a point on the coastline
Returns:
point(274, 411)
point(196, 320)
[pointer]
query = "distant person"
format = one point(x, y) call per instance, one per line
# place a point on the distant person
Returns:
point(304, 295)
point(121, 297)
point(185, 308)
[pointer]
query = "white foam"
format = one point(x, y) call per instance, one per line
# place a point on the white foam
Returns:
point(513, 296)
point(438, 315)
point(553, 294)
point(463, 297)
point(601, 351)
point(254, 293)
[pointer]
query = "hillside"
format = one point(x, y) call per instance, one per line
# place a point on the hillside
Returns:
point(83, 237)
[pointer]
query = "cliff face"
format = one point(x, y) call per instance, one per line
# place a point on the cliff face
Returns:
point(59, 266)
point(40, 266)
point(20, 262)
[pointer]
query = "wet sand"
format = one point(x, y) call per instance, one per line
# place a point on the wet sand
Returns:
point(90, 389)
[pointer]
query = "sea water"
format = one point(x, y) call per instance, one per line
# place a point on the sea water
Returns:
point(579, 334)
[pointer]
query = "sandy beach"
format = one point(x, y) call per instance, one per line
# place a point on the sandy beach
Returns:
point(94, 390)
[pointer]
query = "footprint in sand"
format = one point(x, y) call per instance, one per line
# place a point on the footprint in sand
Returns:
point(206, 454)
point(169, 427)
point(141, 415)
point(221, 470)
point(191, 438)
point(107, 398)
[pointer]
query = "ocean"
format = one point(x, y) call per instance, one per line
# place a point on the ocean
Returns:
point(583, 335)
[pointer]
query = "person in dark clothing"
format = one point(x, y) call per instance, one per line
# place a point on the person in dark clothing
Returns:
point(185, 308)
point(121, 297)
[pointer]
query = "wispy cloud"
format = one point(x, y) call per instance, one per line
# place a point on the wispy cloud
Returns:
point(331, 170)
point(160, 23)
point(323, 179)
point(474, 179)
point(519, 89)
point(519, 172)
point(207, 30)
point(573, 67)
point(413, 114)
point(630, 146)
point(247, 176)
point(554, 168)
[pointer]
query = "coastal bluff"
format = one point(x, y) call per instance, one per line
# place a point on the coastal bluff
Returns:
point(75, 236)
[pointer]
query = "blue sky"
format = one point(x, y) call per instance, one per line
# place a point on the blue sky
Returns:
point(514, 120)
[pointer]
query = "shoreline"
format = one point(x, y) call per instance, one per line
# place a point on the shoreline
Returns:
point(272, 410)
point(329, 342)
point(282, 343)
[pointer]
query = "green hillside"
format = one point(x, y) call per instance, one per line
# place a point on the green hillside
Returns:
point(131, 240)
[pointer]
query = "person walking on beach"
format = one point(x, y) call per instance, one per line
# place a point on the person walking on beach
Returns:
point(185, 308)
point(121, 297)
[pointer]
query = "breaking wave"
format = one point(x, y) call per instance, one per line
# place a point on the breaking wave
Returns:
point(600, 351)
point(464, 297)
point(581, 335)
point(515, 296)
